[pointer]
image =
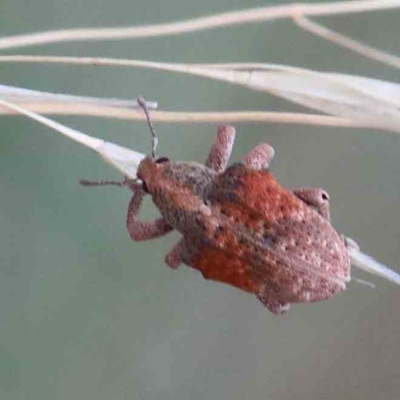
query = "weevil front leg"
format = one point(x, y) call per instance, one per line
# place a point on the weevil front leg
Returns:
point(318, 198)
point(138, 230)
point(221, 149)
point(141, 230)
point(260, 157)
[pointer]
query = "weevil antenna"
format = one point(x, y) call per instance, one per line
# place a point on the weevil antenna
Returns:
point(154, 139)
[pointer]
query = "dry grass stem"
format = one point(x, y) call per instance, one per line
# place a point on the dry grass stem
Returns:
point(188, 117)
point(348, 43)
point(19, 95)
point(199, 24)
point(371, 102)
point(124, 160)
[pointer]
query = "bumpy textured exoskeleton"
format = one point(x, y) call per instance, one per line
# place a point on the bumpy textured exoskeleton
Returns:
point(241, 227)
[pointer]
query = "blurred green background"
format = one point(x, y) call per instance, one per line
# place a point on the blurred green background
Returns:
point(87, 314)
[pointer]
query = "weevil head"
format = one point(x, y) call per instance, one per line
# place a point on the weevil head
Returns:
point(166, 176)
point(150, 171)
point(173, 184)
point(175, 187)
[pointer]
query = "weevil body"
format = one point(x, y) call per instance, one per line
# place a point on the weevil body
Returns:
point(240, 226)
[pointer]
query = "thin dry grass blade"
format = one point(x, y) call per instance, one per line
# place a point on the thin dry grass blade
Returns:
point(346, 42)
point(199, 24)
point(19, 95)
point(124, 160)
point(371, 102)
point(188, 117)
point(369, 264)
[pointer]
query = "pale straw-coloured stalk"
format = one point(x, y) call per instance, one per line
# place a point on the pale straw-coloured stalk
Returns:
point(255, 15)
point(370, 102)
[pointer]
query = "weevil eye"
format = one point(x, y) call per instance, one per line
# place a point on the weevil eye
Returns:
point(144, 187)
point(162, 160)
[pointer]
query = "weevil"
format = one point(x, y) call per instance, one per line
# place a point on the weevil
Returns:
point(240, 226)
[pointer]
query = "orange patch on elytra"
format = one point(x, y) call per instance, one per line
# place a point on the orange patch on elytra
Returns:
point(260, 201)
point(263, 194)
point(255, 212)
point(227, 266)
point(217, 266)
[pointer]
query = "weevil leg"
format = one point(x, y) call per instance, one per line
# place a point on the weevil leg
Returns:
point(140, 230)
point(221, 149)
point(274, 306)
point(260, 157)
point(270, 300)
point(175, 257)
point(318, 198)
